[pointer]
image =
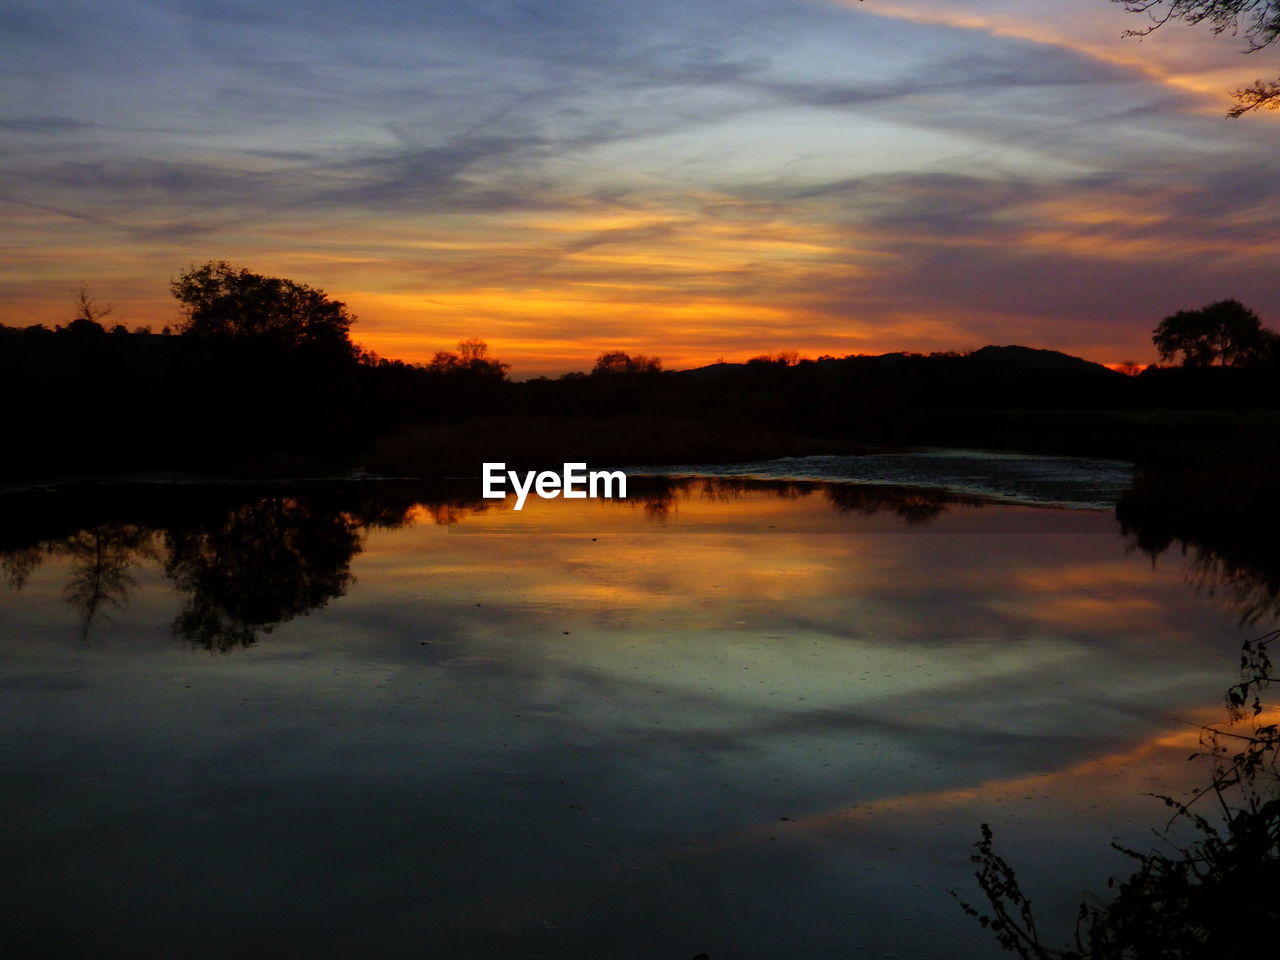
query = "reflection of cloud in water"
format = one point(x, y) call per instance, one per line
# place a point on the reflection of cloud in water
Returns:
point(1111, 778)
point(602, 733)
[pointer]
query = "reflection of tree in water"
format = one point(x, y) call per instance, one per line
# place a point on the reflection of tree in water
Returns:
point(19, 563)
point(1253, 591)
point(258, 565)
point(243, 563)
point(102, 558)
point(447, 512)
point(914, 505)
point(1226, 527)
point(658, 496)
point(247, 562)
point(728, 489)
point(1209, 892)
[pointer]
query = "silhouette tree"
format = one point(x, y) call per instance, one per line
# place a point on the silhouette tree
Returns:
point(1257, 20)
point(618, 362)
point(220, 300)
point(88, 314)
point(1211, 898)
point(1226, 333)
point(472, 358)
point(780, 358)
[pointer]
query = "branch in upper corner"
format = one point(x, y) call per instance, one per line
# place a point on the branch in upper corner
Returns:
point(1261, 93)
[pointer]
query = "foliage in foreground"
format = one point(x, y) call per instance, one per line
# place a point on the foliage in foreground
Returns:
point(1212, 899)
point(1257, 21)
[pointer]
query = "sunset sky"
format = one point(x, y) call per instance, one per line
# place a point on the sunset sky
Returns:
point(694, 179)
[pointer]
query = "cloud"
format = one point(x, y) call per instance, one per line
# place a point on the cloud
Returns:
point(1180, 67)
point(39, 125)
point(706, 178)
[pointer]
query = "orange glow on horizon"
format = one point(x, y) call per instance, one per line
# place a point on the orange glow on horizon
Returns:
point(690, 274)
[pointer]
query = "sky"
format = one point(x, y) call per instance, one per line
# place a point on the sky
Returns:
point(692, 179)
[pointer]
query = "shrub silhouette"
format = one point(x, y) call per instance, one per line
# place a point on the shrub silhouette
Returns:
point(1212, 898)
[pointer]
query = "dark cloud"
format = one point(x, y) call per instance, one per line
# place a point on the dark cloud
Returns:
point(47, 125)
point(939, 171)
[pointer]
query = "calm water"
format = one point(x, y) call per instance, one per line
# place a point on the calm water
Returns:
point(753, 720)
point(1027, 478)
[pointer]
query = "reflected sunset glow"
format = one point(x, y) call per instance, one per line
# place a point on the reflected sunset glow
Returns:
point(764, 690)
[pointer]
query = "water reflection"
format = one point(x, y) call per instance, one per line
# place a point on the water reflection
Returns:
point(257, 565)
point(660, 496)
point(1225, 526)
point(245, 561)
point(652, 732)
point(1208, 890)
point(915, 507)
point(242, 561)
point(100, 561)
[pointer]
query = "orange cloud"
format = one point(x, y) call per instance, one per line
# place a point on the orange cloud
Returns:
point(1174, 61)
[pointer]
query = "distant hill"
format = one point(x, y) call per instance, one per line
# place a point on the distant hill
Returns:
point(711, 370)
point(1011, 358)
point(1032, 358)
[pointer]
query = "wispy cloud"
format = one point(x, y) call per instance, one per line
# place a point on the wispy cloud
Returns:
point(707, 178)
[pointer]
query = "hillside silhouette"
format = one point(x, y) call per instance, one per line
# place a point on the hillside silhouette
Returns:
point(261, 377)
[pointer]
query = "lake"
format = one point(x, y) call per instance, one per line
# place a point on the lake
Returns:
point(732, 715)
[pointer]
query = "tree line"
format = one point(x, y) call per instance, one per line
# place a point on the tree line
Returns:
point(259, 374)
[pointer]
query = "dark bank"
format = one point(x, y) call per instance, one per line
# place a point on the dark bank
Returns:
point(262, 378)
